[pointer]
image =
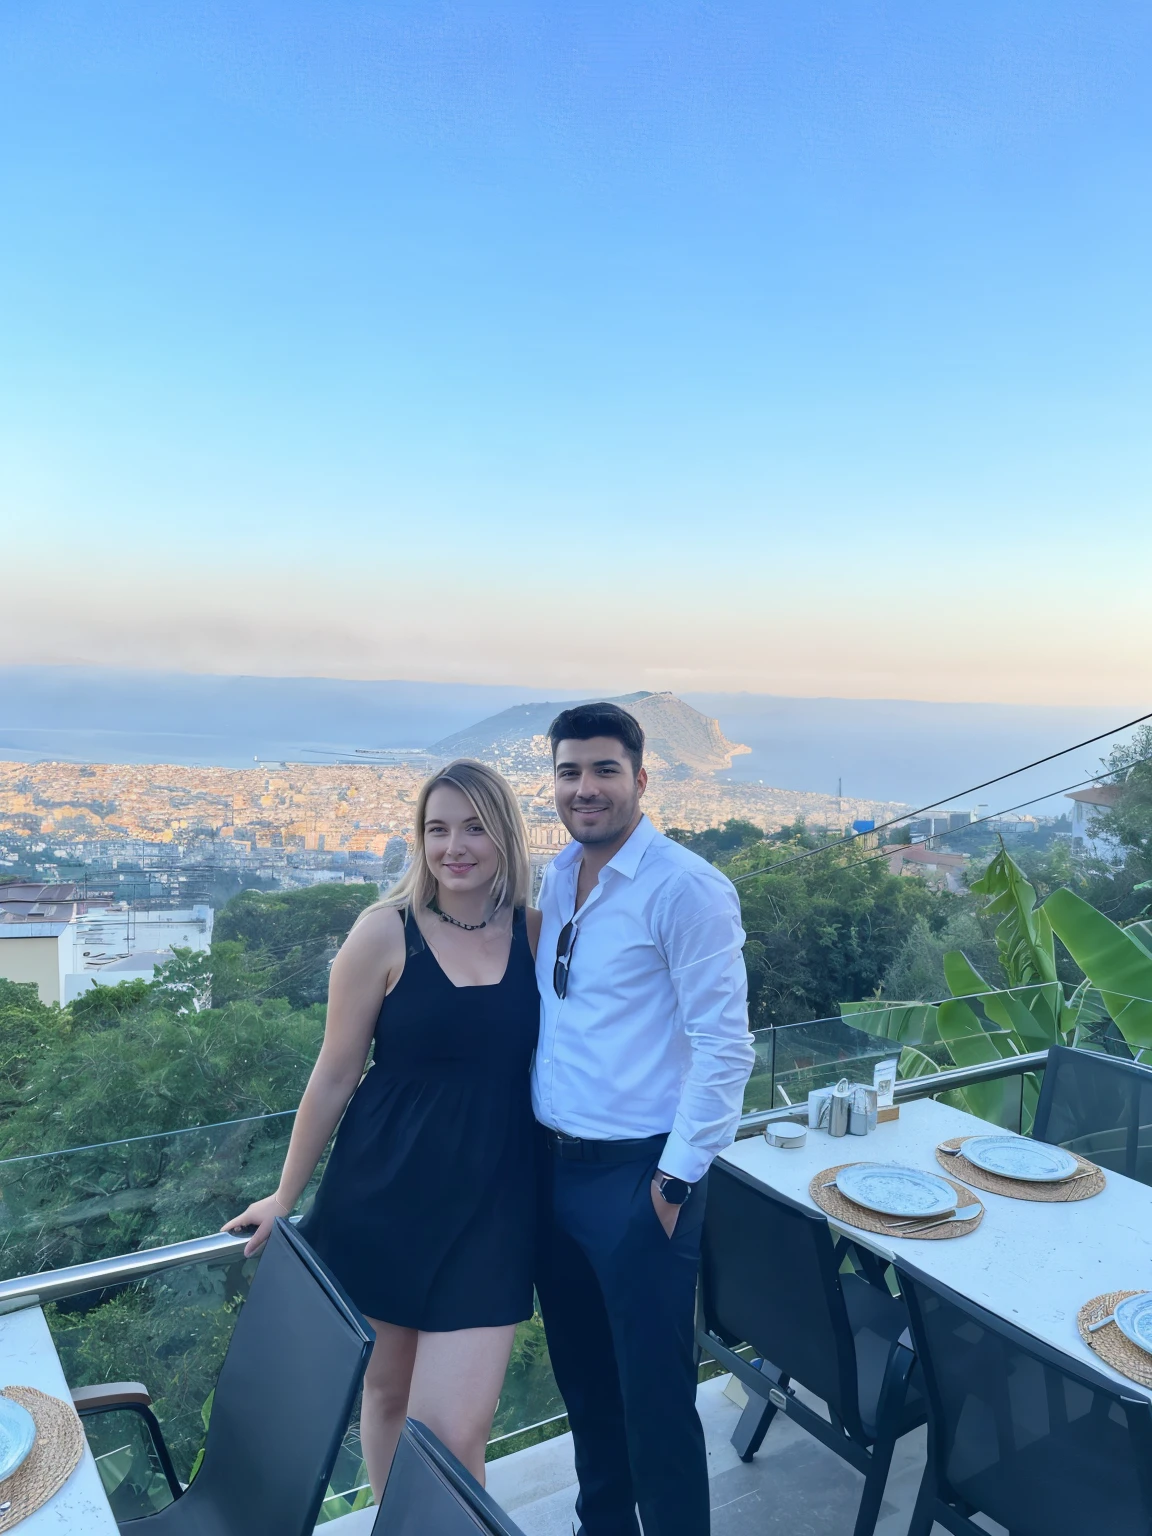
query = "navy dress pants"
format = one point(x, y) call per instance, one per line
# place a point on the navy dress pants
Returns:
point(618, 1298)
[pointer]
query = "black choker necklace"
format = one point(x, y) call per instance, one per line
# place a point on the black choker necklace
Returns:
point(445, 917)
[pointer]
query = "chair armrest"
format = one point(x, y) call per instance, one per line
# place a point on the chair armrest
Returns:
point(129, 1397)
point(112, 1394)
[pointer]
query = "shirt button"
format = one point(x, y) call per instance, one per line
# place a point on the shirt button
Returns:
point(545, 1059)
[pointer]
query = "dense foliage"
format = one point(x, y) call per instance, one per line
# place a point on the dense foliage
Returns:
point(820, 926)
point(153, 1060)
point(191, 1063)
point(280, 943)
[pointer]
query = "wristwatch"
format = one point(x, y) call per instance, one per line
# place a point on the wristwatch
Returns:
point(673, 1191)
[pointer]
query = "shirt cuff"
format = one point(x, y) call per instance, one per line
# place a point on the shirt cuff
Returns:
point(684, 1161)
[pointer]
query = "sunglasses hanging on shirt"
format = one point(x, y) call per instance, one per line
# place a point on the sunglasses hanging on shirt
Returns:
point(564, 946)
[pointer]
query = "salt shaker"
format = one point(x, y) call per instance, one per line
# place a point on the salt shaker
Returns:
point(862, 1115)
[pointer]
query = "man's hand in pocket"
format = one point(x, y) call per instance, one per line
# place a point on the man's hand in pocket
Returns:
point(666, 1214)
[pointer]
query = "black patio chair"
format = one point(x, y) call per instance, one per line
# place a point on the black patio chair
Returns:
point(281, 1406)
point(430, 1493)
point(1019, 1431)
point(771, 1278)
point(1099, 1106)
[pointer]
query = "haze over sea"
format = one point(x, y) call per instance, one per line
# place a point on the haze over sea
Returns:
point(890, 749)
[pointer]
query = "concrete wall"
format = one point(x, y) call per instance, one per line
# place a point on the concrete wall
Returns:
point(37, 960)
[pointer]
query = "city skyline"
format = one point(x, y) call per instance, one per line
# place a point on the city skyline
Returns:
point(667, 347)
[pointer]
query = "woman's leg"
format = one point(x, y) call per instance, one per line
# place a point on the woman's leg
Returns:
point(456, 1385)
point(387, 1382)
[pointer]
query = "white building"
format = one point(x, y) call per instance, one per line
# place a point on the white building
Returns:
point(51, 936)
point(121, 942)
point(1086, 806)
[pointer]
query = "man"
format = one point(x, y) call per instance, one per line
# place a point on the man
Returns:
point(638, 1082)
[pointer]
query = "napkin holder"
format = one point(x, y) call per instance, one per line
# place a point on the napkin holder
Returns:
point(884, 1081)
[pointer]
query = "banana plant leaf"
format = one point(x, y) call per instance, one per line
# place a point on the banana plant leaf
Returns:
point(1116, 964)
point(970, 1044)
point(1035, 1027)
point(1024, 934)
point(903, 1023)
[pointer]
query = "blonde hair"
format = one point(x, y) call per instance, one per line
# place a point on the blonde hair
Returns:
point(492, 799)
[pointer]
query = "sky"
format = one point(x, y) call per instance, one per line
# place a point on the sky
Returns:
point(796, 348)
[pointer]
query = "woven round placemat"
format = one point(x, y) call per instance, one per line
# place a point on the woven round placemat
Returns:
point(51, 1461)
point(1020, 1189)
point(840, 1208)
point(1110, 1344)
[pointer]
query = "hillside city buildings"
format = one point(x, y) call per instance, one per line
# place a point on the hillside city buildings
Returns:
point(360, 813)
point(122, 863)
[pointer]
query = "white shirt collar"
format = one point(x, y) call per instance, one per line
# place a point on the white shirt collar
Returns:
point(625, 860)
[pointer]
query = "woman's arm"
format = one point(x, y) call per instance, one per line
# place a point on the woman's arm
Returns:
point(367, 967)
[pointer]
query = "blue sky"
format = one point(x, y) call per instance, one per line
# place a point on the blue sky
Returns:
point(802, 348)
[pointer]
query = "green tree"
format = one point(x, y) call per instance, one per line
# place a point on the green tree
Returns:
point(203, 1095)
point(160, 1071)
point(184, 983)
point(104, 1007)
point(716, 843)
point(289, 939)
point(917, 972)
point(31, 1033)
point(1129, 821)
point(823, 928)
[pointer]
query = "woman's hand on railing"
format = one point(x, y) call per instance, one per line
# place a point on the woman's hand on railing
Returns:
point(262, 1215)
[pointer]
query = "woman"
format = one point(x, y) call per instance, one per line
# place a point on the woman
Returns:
point(425, 1211)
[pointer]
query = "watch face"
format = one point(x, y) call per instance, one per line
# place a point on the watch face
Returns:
point(675, 1191)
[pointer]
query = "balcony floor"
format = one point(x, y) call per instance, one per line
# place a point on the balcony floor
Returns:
point(794, 1485)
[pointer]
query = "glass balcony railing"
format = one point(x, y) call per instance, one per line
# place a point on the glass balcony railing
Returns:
point(171, 1329)
point(64, 1208)
point(793, 1059)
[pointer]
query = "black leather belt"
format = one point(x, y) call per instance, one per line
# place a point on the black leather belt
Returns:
point(582, 1151)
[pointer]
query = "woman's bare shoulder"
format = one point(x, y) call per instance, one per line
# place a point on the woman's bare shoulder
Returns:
point(533, 921)
point(375, 943)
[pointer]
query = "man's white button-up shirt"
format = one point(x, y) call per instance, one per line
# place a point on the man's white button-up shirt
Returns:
point(652, 1036)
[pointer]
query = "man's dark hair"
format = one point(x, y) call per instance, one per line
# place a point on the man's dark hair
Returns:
point(583, 721)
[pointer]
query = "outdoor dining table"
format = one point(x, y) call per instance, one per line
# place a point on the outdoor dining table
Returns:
point(28, 1358)
point(1033, 1263)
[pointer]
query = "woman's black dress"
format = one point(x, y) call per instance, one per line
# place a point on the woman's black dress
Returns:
point(425, 1212)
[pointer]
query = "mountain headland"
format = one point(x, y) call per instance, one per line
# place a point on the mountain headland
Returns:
point(679, 739)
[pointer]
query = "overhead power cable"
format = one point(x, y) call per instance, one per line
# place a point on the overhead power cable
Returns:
point(887, 853)
point(852, 837)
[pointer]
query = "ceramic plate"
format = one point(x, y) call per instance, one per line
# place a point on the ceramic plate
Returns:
point(1018, 1157)
point(1134, 1320)
point(17, 1435)
point(896, 1191)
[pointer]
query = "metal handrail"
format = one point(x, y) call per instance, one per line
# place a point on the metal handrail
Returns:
point(909, 1088)
point(56, 1284)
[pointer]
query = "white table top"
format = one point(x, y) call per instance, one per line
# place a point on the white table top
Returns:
point(28, 1358)
point(1031, 1262)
